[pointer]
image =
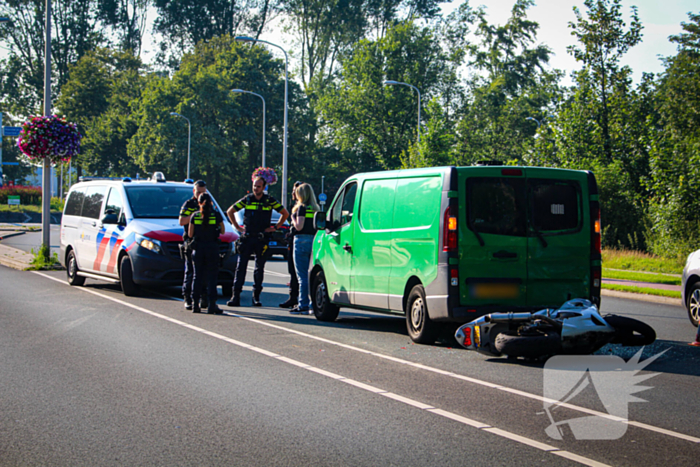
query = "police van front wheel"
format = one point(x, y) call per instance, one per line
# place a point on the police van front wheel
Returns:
point(126, 277)
point(324, 310)
point(421, 329)
point(72, 270)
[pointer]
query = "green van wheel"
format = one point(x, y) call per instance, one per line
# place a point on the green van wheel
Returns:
point(324, 310)
point(421, 329)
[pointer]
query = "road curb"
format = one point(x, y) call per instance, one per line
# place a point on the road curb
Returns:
point(14, 258)
point(11, 234)
point(641, 297)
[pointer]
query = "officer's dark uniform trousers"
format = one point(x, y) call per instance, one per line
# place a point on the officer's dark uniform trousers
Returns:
point(253, 244)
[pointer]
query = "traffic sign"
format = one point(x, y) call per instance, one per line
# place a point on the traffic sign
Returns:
point(322, 197)
point(11, 130)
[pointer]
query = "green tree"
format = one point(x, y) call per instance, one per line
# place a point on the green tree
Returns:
point(604, 40)
point(512, 87)
point(370, 124)
point(226, 128)
point(127, 18)
point(98, 96)
point(75, 32)
point(604, 125)
point(184, 23)
point(675, 157)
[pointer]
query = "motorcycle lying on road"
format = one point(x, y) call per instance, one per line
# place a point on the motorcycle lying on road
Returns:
point(576, 328)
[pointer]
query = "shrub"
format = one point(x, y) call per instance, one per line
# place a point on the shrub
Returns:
point(27, 194)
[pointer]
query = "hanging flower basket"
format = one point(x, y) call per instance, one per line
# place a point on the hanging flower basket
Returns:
point(51, 137)
point(266, 173)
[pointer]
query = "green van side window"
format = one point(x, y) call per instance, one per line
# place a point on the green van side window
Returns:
point(377, 204)
point(342, 209)
point(416, 199)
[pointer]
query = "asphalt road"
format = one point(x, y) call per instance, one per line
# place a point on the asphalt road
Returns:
point(91, 377)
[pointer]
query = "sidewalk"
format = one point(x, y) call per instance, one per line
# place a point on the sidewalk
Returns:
point(12, 257)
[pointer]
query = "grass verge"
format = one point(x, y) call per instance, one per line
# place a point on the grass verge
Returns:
point(642, 277)
point(643, 290)
point(639, 261)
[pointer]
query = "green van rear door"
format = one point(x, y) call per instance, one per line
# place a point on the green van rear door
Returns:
point(493, 244)
point(559, 243)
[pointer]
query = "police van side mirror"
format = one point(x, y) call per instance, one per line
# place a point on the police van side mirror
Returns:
point(320, 221)
point(110, 217)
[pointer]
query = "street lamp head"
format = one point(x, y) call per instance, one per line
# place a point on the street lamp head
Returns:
point(174, 113)
point(391, 82)
point(4, 19)
point(237, 90)
point(244, 39)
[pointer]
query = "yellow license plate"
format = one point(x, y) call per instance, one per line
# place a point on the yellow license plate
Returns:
point(491, 290)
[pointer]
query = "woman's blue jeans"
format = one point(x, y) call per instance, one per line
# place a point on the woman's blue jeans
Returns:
point(302, 257)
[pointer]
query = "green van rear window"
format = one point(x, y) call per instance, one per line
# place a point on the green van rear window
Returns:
point(497, 205)
point(556, 205)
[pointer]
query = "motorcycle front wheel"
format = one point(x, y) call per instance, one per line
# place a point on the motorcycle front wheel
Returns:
point(534, 346)
point(630, 332)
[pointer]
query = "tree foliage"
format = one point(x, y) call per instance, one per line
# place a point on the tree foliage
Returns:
point(675, 156)
point(373, 124)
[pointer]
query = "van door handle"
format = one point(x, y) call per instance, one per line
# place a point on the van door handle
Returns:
point(347, 248)
point(94, 223)
point(505, 254)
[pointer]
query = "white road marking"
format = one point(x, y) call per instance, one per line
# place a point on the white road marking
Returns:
point(402, 399)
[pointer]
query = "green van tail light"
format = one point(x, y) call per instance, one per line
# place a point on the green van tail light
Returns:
point(449, 241)
point(596, 276)
point(596, 241)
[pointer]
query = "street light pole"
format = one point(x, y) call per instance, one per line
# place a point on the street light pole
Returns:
point(284, 145)
point(263, 119)
point(46, 182)
point(392, 83)
point(189, 134)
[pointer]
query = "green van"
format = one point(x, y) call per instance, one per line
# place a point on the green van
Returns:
point(449, 244)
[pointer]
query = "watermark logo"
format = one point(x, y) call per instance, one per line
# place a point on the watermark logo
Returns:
point(606, 377)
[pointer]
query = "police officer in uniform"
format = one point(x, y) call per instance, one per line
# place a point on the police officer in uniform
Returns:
point(189, 208)
point(292, 301)
point(205, 226)
point(256, 230)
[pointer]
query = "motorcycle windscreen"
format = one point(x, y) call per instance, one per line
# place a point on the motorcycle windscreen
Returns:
point(559, 243)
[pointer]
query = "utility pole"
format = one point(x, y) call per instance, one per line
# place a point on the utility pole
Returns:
point(46, 184)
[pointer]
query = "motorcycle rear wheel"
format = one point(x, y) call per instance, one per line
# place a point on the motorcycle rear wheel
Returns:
point(534, 346)
point(630, 332)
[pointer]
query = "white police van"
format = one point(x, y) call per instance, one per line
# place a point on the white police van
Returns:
point(127, 231)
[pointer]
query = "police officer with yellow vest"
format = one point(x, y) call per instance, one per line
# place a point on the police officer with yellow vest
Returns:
point(189, 208)
point(205, 226)
point(256, 230)
point(303, 221)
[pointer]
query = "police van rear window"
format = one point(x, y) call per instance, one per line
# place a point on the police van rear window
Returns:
point(157, 202)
